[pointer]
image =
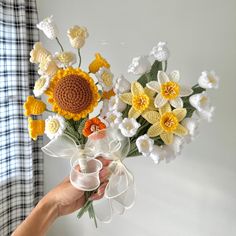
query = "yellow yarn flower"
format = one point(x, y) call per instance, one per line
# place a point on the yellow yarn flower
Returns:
point(141, 100)
point(166, 123)
point(65, 59)
point(97, 63)
point(72, 93)
point(36, 128)
point(34, 106)
point(77, 36)
point(108, 94)
point(38, 53)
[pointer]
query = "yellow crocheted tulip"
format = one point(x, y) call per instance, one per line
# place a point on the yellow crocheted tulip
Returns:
point(36, 128)
point(34, 106)
point(97, 63)
point(108, 94)
point(38, 53)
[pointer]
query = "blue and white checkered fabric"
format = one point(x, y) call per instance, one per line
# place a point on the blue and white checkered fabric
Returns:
point(21, 161)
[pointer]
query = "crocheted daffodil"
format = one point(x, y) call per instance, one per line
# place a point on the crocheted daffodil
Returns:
point(166, 123)
point(168, 89)
point(97, 63)
point(140, 99)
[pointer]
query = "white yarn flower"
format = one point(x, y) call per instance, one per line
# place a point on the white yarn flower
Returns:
point(122, 85)
point(41, 86)
point(144, 144)
point(208, 80)
point(160, 52)
point(116, 104)
point(206, 114)
point(77, 36)
point(105, 78)
point(105, 107)
point(54, 126)
point(192, 125)
point(157, 154)
point(49, 27)
point(38, 53)
point(129, 127)
point(168, 89)
point(140, 65)
point(65, 59)
point(114, 118)
point(48, 67)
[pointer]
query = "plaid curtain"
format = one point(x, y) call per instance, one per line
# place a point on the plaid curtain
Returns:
point(21, 163)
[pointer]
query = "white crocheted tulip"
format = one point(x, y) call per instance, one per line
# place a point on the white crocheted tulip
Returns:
point(129, 127)
point(144, 144)
point(140, 65)
point(105, 78)
point(208, 80)
point(41, 86)
point(49, 27)
point(160, 52)
point(77, 36)
point(114, 118)
point(116, 104)
point(157, 154)
point(65, 59)
point(48, 67)
point(38, 53)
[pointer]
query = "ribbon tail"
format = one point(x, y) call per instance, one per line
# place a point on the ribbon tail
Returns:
point(103, 210)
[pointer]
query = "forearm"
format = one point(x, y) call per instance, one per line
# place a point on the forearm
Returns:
point(39, 220)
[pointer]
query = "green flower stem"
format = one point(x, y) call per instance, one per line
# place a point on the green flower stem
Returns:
point(165, 66)
point(62, 49)
point(80, 60)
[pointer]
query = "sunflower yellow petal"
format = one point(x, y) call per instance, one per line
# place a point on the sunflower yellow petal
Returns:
point(154, 130)
point(167, 138)
point(126, 98)
point(134, 113)
point(136, 88)
point(165, 108)
point(151, 116)
point(180, 131)
point(180, 113)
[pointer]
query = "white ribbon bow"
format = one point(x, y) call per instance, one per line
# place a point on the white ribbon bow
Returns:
point(112, 145)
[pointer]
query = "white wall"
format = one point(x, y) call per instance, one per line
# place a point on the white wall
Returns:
point(196, 194)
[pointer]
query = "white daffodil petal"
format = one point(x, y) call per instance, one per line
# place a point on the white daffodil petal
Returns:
point(159, 101)
point(154, 85)
point(174, 76)
point(162, 77)
point(177, 102)
point(185, 91)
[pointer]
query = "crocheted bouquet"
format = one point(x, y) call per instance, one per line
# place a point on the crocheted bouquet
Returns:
point(95, 115)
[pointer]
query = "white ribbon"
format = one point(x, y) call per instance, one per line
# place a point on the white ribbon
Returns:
point(112, 145)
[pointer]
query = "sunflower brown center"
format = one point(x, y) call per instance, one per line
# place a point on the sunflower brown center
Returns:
point(73, 94)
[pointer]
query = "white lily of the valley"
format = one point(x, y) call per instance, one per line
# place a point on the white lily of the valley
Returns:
point(144, 144)
point(157, 154)
point(206, 114)
point(49, 27)
point(105, 78)
point(114, 118)
point(129, 127)
point(122, 85)
point(192, 125)
point(160, 52)
point(140, 65)
point(208, 80)
point(115, 103)
point(168, 89)
point(200, 101)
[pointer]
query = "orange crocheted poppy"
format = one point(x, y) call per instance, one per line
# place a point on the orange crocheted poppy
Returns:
point(93, 125)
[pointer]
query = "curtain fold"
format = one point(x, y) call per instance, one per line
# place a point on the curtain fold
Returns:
point(21, 160)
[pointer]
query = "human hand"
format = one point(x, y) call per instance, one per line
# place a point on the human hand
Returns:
point(68, 199)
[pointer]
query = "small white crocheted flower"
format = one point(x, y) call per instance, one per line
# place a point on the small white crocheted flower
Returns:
point(114, 118)
point(116, 104)
point(65, 59)
point(129, 127)
point(157, 154)
point(54, 126)
point(192, 125)
point(160, 52)
point(48, 67)
point(105, 78)
point(38, 53)
point(144, 144)
point(49, 27)
point(208, 80)
point(77, 36)
point(168, 89)
point(41, 86)
point(140, 65)
point(122, 85)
